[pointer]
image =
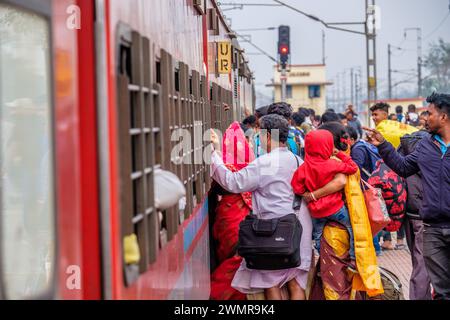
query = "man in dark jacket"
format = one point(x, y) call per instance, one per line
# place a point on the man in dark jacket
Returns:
point(420, 285)
point(432, 159)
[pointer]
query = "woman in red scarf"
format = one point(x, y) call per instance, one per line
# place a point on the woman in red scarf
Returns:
point(230, 211)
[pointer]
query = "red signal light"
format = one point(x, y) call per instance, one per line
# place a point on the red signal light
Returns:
point(284, 49)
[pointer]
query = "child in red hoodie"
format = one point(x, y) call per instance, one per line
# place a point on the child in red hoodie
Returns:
point(317, 171)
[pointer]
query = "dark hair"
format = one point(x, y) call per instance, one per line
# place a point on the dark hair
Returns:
point(250, 120)
point(342, 116)
point(425, 114)
point(353, 134)
point(330, 117)
point(298, 118)
point(318, 119)
point(441, 101)
point(412, 107)
point(399, 109)
point(339, 132)
point(383, 106)
point(282, 109)
point(312, 112)
point(351, 111)
point(276, 122)
point(330, 110)
point(304, 112)
point(391, 116)
point(261, 112)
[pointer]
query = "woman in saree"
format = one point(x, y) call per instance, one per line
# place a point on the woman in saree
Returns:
point(339, 278)
point(230, 211)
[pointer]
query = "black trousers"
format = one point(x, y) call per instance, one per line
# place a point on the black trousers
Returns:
point(436, 251)
point(420, 284)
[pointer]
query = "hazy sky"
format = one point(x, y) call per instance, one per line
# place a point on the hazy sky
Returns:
point(343, 50)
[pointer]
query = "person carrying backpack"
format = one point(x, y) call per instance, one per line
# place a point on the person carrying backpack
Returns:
point(420, 285)
point(431, 158)
point(377, 174)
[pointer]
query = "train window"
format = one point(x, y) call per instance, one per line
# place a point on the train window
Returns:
point(170, 115)
point(140, 148)
point(212, 20)
point(177, 80)
point(202, 87)
point(206, 116)
point(157, 126)
point(158, 72)
point(200, 5)
point(125, 61)
point(197, 130)
point(26, 158)
point(188, 110)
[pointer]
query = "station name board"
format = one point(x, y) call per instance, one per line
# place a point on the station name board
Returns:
point(299, 74)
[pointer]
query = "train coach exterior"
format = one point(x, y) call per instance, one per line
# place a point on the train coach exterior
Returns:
point(133, 74)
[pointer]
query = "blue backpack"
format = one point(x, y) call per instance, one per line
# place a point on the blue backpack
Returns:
point(372, 152)
point(294, 142)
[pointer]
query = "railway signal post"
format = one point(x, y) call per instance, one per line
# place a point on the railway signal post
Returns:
point(284, 54)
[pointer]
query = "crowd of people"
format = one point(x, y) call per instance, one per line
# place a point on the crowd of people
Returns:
point(277, 156)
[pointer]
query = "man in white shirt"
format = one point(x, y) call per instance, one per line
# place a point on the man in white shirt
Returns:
point(269, 179)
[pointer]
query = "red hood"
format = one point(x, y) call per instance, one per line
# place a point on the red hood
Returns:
point(319, 144)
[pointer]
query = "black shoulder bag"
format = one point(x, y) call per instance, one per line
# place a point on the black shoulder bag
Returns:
point(272, 244)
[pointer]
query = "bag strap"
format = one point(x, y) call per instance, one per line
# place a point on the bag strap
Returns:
point(297, 204)
point(298, 162)
point(366, 172)
point(371, 153)
point(368, 185)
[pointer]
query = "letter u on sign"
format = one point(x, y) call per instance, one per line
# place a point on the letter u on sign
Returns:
point(224, 58)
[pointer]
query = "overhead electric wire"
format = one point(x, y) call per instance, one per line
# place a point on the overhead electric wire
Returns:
point(327, 25)
point(257, 48)
point(438, 27)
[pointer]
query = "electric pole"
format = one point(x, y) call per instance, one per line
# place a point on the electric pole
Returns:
point(390, 86)
point(371, 33)
point(357, 89)
point(419, 58)
point(344, 93)
point(334, 94)
point(389, 71)
point(338, 88)
point(323, 48)
point(352, 84)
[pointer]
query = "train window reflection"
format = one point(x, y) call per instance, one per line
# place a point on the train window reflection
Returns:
point(26, 177)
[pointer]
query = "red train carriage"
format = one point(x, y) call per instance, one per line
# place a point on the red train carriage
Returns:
point(91, 93)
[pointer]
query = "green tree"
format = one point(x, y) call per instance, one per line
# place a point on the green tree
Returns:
point(437, 62)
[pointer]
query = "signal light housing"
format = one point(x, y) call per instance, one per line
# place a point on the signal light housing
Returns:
point(284, 44)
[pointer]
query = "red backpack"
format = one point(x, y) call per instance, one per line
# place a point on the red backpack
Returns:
point(393, 188)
